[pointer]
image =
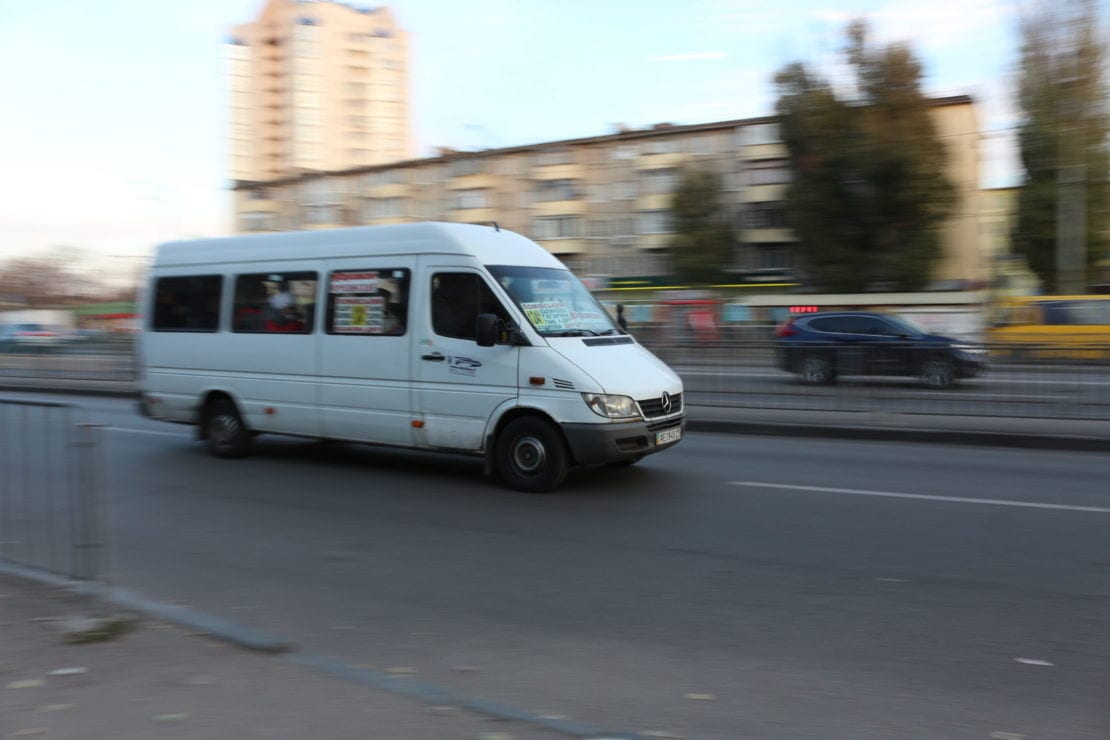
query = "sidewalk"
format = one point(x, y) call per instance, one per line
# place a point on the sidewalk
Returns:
point(163, 681)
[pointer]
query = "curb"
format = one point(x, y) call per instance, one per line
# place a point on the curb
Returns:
point(182, 616)
point(245, 637)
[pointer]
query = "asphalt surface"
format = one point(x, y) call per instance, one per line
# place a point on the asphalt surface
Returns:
point(732, 587)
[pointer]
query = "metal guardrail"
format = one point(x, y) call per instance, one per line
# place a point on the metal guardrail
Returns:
point(1025, 380)
point(51, 510)
point(1051, 384)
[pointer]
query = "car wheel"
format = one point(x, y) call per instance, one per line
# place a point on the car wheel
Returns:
point(531, 455)
point(224, 430)
point(937, 373)
point(817, 370)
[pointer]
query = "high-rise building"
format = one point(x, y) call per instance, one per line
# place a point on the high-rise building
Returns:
point(317, 86)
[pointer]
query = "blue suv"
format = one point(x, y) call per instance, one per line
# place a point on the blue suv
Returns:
point(822, 346)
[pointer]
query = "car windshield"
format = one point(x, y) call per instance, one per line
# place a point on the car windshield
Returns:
point(554, 301)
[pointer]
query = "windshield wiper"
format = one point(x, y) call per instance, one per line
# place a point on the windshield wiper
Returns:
point(574, 333)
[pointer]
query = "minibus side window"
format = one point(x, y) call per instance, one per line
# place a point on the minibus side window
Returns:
point(274, 303)
point(457, 299)
point(189, 303)
point(368, 302)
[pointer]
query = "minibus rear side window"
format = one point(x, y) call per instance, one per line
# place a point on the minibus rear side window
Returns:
point(368, 302)
point(189, 303)
point(275, 303)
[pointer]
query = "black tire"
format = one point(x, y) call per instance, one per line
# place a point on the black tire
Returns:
point(937, 373)
point(817, 370)
point(224, 430)
point(531, 455)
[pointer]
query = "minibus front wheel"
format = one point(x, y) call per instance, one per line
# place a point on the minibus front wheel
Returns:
point(531, 455)
point(224, 430)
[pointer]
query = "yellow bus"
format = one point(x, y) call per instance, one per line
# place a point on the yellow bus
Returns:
point(1052, 327)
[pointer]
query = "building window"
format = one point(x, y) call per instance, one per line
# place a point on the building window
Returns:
point(462, 167)
point(654, 222)
point(660, 181)
point(383, 208)
point(758, 133)
point(626, 151)
point(258, 221)
point(321, 215)
point(555, 156)
point(701, 145)
point(773, 258)
point(765, 216)
point(557, 227)
point(549, 190)
point(769, 172)
point(625, 190)
point(659, 146)
point(477, 198)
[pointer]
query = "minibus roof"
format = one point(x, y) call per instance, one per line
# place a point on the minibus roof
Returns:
point(488, 244)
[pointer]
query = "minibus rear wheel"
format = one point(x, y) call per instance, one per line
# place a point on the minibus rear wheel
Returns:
point(531, 455)
point(225, 432)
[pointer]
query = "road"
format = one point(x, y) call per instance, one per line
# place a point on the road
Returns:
point(733, 587)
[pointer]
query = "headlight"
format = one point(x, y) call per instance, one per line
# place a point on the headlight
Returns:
point(612, 407)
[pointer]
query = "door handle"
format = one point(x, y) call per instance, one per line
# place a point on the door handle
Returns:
point(434, 357)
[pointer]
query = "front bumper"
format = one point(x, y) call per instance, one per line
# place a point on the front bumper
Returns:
point(597, 444)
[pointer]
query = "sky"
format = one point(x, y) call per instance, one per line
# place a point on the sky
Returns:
point(113, 135)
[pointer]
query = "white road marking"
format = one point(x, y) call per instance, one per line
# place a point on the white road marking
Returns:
point(1034, 661)
point(129, 430)
point(924, 497)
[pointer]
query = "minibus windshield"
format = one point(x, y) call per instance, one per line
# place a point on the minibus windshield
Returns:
point(554, 301)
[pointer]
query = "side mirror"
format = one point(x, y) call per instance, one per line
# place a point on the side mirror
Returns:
point(487, 330)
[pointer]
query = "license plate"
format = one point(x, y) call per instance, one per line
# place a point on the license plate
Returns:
point(667, 436)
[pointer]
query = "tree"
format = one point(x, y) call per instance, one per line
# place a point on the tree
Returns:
point(701, 248)
point(1063, 140)
point(45, 281)
point(868, 195)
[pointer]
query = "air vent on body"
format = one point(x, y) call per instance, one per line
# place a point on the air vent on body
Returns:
point(565, 385)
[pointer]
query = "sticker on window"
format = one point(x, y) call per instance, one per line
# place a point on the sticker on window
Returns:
point(353, 282)
point(550, 316)
point(360, 315)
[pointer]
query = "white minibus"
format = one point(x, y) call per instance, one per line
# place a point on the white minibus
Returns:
point(447, 337)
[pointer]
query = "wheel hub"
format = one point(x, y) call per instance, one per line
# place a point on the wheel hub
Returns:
point(529, 455)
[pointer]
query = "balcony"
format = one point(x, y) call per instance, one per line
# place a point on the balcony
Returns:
point(558, 172)
point(764, 151)
point(763, 193)
point(388, 190)
point(474, 215)
point(479, 181)
point(768, 236)
point(655, 202)
point(560, 207)
point(660, 161)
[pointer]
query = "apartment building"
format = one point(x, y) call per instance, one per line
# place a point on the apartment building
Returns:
point(602, 204)
point(317, 86)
